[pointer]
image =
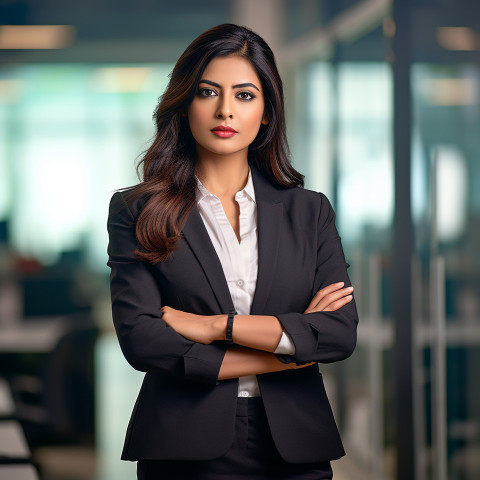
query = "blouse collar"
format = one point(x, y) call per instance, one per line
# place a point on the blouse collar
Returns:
point(203, 191)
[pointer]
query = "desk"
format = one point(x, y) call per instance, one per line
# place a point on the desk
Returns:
point(13, 445)
point(33, 336)
point(49, 365)
point(18, 472)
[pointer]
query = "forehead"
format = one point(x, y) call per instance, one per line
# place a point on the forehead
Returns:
point(231, 70)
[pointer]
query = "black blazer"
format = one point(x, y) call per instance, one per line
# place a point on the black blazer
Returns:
point(182, 411)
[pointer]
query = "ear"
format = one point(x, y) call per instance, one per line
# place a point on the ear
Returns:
point(265, 119)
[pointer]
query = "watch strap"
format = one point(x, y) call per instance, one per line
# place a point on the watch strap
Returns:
point(229, 332)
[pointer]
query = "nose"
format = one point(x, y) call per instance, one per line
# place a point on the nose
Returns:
point(224, 109)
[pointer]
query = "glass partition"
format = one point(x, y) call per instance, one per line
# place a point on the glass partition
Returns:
point(70, 135)
point(349, 155)
point(446, 176)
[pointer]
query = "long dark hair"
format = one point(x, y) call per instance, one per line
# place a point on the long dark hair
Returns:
point(168, 166)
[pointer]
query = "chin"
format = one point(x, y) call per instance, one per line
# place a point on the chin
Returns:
point(224, 149)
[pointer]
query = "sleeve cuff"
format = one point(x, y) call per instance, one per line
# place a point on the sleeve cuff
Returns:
point(202, 362)
point(305, 342)
point(285, 345)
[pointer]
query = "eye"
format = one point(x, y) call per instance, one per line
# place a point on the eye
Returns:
point(207, 92)
point(245, 95)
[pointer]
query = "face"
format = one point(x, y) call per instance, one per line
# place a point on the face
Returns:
point(229, 95)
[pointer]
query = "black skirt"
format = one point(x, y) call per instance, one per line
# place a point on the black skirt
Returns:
point(252, 456)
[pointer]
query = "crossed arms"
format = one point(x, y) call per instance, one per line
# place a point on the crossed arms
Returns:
point(155, 337)
point(257, 336)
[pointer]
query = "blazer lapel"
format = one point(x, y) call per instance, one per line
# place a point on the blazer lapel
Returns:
point(269, 226)
point(196, 235)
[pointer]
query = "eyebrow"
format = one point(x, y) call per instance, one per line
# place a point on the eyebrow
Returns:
point(240, 85)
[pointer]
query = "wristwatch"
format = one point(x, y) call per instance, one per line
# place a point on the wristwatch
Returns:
point(229, 333)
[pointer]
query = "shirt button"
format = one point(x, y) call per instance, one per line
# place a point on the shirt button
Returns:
point(244, 394)
point(240, 194)
point(240, 283)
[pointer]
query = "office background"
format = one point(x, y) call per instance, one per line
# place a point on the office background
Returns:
point(383, 116)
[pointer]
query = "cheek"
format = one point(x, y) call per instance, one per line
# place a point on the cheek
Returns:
point(254, 120)
point(198, 115)
point(194, 117)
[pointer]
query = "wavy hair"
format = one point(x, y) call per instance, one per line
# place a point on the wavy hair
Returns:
point(168, 165)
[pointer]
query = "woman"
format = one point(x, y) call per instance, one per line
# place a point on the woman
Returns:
point(228, 280)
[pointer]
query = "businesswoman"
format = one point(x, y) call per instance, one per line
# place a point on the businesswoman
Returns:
point(228, 280)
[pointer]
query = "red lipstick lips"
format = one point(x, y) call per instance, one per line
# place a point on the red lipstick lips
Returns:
point(224, 132)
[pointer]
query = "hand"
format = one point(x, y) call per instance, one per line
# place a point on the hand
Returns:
point(330, 298)
point(197, 328)
point(294, 366)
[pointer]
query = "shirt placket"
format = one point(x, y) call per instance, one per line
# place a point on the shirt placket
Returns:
point(231, 248)
point(242, 262)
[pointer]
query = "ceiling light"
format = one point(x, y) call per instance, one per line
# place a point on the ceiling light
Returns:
point(26, 37)
point(458, 38)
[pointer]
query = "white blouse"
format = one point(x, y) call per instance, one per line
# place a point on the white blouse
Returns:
point(239, 260)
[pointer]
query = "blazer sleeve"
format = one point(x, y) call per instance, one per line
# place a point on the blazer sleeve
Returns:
point(324, 336)
point(147, 342)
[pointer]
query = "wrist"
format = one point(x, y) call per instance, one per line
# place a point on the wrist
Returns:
point(219, 326)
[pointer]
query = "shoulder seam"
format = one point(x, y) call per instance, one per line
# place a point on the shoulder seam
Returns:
point(126, 204)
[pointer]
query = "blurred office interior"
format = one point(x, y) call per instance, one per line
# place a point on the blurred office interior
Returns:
point(383, 105)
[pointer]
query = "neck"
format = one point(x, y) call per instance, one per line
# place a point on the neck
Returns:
point(223, 175)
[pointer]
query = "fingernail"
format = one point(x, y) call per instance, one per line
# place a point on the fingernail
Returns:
point(340, 283)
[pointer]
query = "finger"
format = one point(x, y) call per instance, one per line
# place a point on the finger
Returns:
point(338, 304)
point(323, 292)
point(332, 297)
